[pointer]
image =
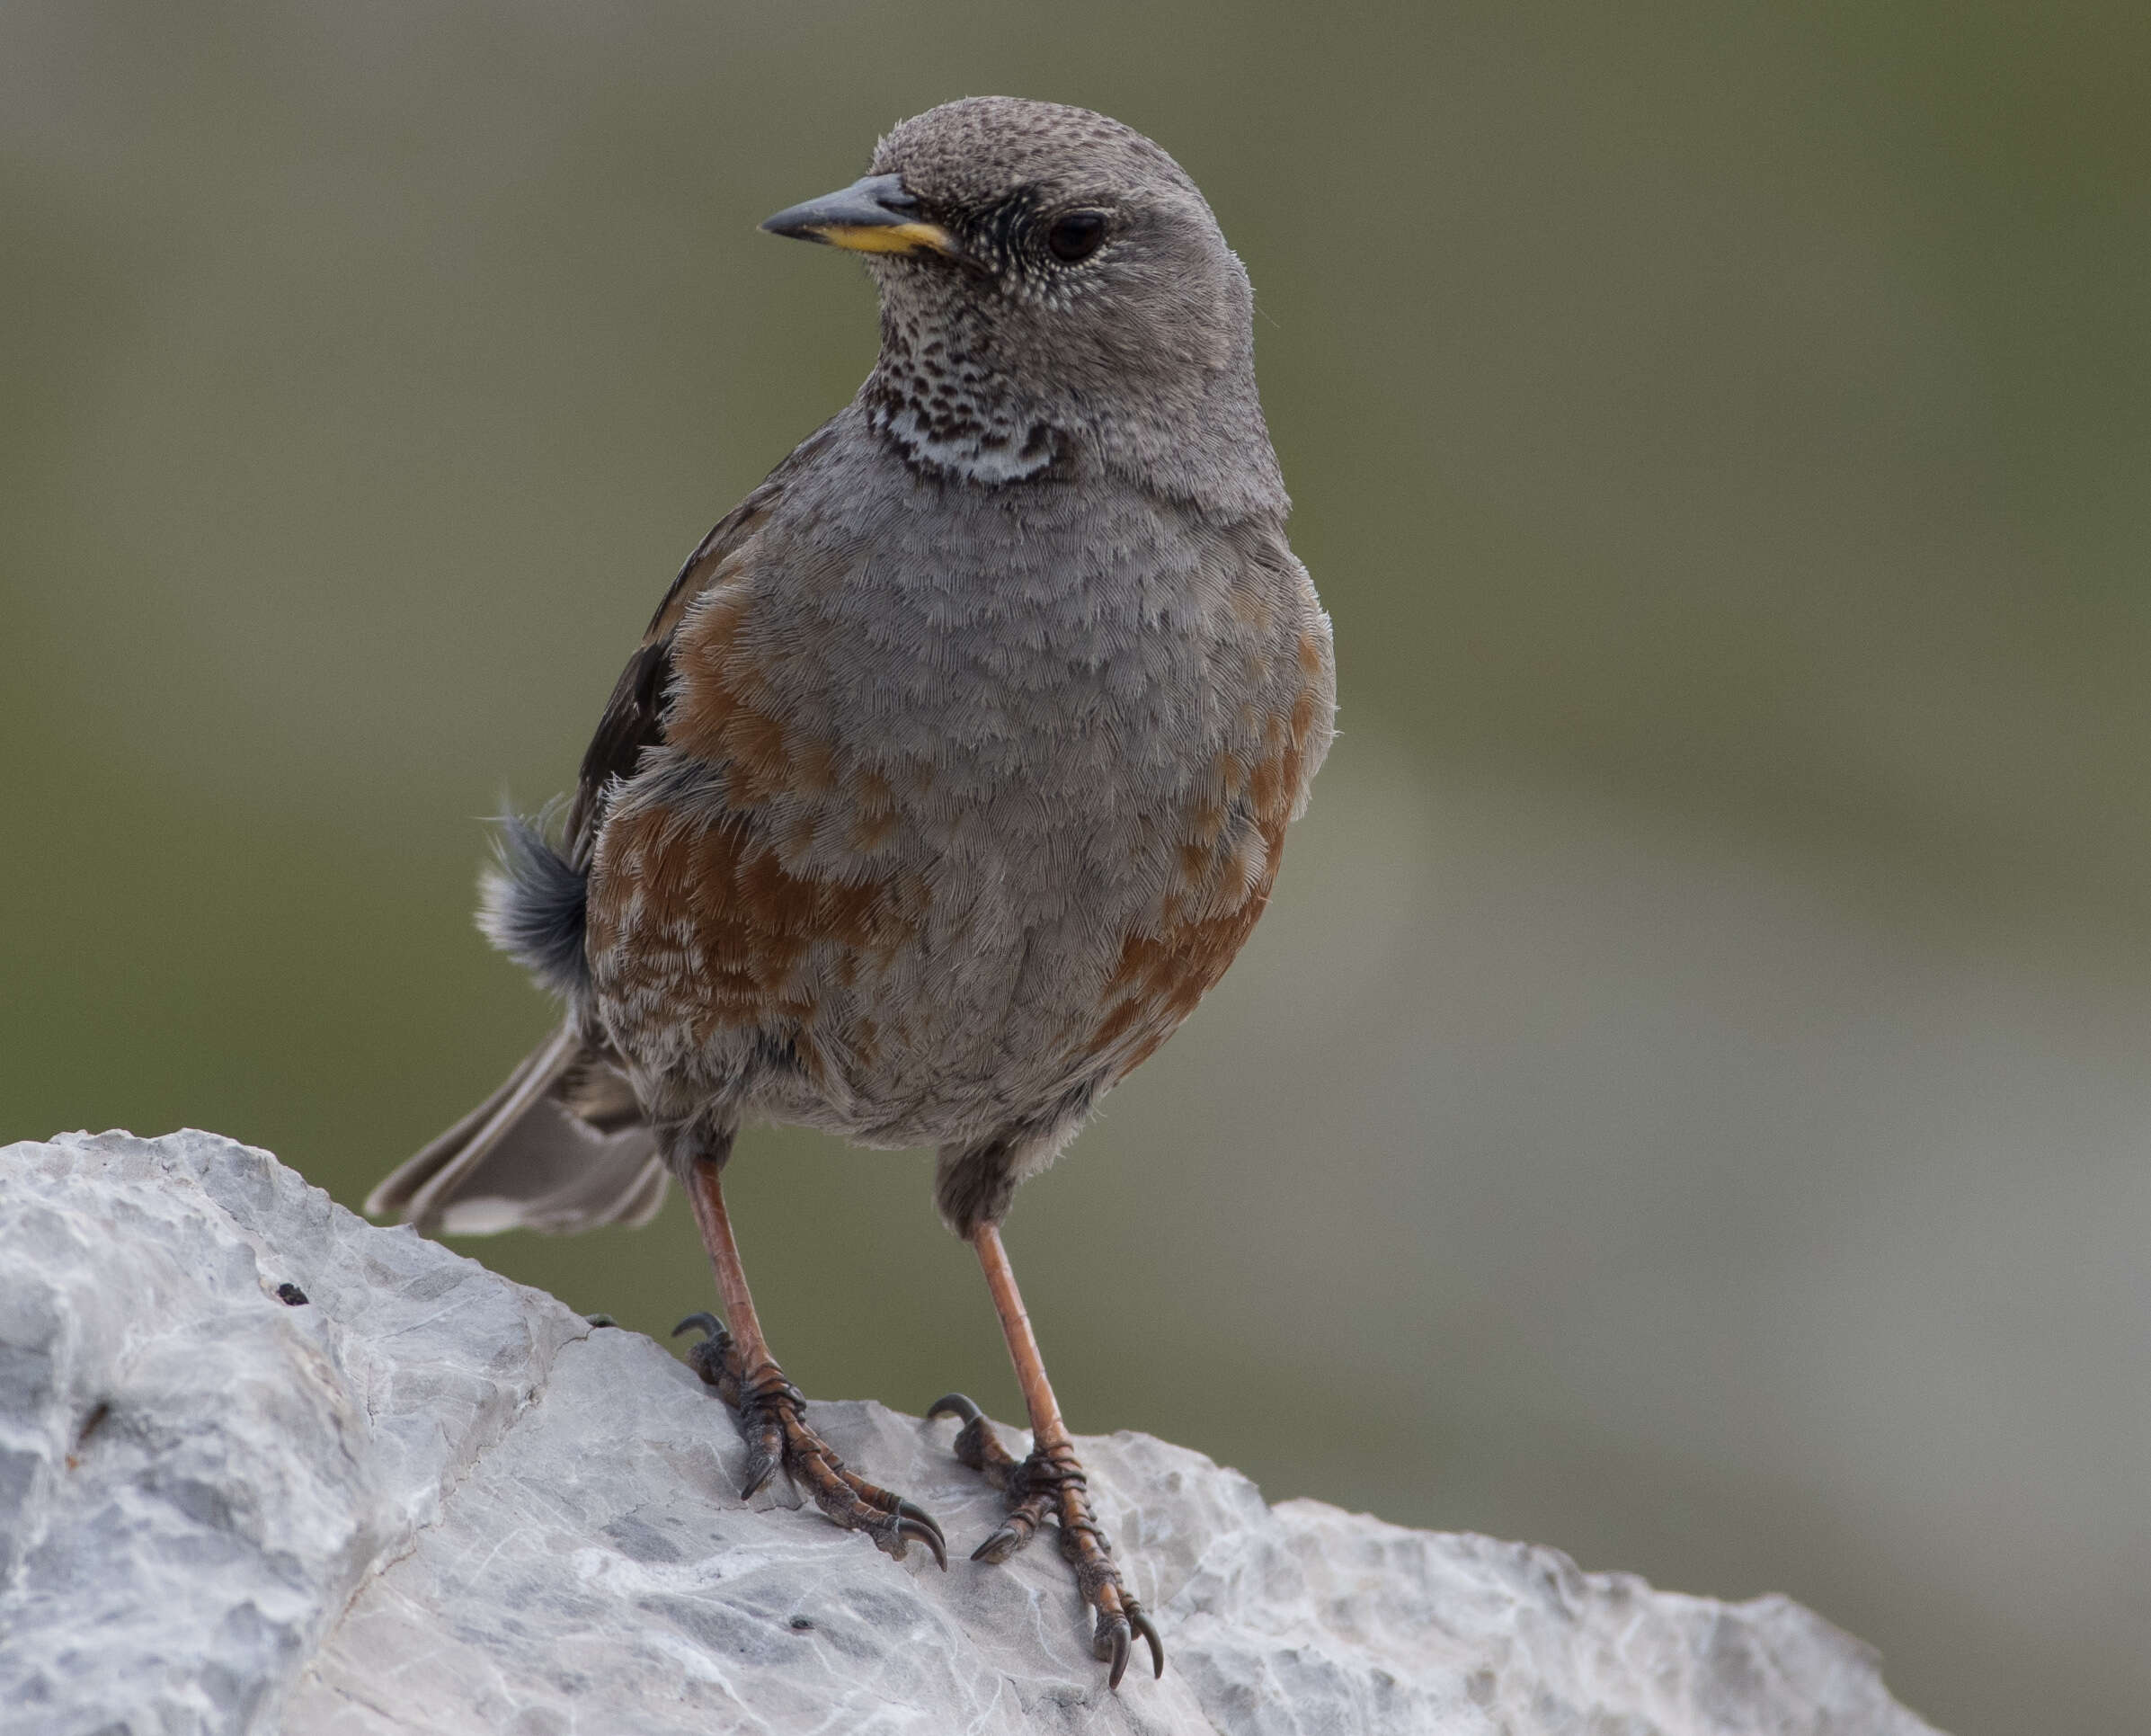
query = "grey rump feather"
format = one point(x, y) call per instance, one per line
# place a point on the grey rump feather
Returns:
point(534, 904)
point(1010, 663)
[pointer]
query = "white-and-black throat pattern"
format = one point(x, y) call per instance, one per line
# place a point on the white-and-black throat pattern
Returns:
point(952, 413)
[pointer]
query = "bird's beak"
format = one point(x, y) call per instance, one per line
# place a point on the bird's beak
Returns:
point(873, 215)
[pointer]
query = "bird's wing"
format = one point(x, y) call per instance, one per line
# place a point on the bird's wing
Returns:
point(633, 719)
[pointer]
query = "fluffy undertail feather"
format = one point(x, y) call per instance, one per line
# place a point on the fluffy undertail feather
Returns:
point(534, 905)
point(549, 1150)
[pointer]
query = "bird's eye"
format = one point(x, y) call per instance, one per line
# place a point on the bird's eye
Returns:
point(1076, 234)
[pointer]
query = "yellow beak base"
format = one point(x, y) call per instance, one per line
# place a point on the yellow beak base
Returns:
point(886, 237)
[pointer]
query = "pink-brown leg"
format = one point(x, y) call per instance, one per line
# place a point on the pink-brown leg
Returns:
point(1049, 1481)
point(772, 1413)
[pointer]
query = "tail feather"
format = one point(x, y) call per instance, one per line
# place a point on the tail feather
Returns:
point(525, 1159)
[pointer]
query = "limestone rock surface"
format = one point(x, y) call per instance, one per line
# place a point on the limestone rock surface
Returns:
point(427, 1500)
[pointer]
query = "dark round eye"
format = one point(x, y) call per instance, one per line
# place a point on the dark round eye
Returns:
point(1076, 234)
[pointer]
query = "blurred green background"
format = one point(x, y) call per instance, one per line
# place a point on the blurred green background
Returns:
point(1689, 1102)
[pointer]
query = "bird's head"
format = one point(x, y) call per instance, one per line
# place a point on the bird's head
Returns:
point(1050, 280)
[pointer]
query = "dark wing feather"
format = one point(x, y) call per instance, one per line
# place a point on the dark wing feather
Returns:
point(634, 716)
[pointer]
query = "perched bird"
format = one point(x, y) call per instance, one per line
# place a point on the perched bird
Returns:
point(950, 774)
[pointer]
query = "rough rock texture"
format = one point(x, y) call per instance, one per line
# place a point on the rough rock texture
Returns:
point(429, 1499)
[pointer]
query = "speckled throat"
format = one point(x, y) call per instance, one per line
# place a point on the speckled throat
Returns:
point(951, 414)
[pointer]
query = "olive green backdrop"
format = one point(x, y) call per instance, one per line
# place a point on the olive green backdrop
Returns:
point(1689, 1102)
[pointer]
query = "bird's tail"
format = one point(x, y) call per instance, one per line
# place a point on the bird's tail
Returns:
point(561, 1146)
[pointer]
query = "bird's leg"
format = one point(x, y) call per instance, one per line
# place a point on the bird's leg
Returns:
point(772, 1413)
point(1049, 1481)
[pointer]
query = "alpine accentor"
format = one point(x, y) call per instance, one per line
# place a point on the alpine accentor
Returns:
point(952, 772)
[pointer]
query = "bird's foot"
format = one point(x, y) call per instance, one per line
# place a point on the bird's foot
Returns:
point(1050, 1482)
point(773, 1418)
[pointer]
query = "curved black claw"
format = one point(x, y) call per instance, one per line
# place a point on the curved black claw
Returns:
point(918, 1515)
point(1140, 1619)
point(978, 1446)
point(712, 1357)
point(1111, 1640)
point(761, 1466)
point(1142, 1624)
point(928, 1534)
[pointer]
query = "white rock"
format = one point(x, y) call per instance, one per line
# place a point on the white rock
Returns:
point(430, 1500)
